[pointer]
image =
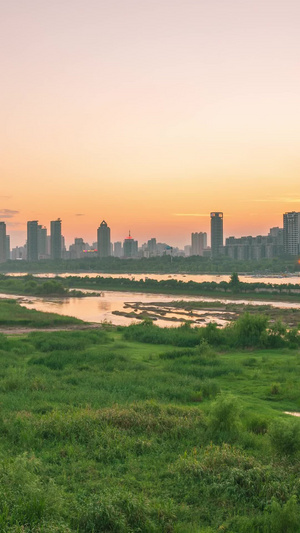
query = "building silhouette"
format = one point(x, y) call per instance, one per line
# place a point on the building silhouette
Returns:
point(198, 243)
point(103, 240)
point(216, 227)
point(7, 247)
point(3, 252)
point(291, 233)
point(118, 249)
point(32, 240)
point(76, 250)
point(255, 248)
point(152, 247)
point(130, 247)
point(42, 242)
point(55, 239)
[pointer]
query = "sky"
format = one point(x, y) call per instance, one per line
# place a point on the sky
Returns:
point(149, 114)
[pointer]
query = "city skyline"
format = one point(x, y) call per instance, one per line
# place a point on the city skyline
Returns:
point(120, 232)
point(278, 241)
point(129, 109)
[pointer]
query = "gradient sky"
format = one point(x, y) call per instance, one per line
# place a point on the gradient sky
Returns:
point(149, 114)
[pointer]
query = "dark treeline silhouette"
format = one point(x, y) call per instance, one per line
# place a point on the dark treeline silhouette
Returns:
point(163, 264)
point(30, 284)
point(173, 286)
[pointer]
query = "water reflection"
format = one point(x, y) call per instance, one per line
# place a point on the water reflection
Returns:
point(99, 309)
point(199, 278)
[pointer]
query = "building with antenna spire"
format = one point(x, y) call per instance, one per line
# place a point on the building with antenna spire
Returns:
point(130, 247)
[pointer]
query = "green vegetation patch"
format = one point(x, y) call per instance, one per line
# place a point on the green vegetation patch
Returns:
point(13, 314)
point(141, 429)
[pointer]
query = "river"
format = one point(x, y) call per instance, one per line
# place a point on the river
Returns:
point(199, 278)
point(102, 308)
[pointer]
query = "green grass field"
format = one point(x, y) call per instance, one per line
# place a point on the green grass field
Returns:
point(104, 434)
point(13, 314)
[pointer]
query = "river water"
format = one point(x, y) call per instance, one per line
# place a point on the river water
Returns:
point(199, 278)
point(101, 308)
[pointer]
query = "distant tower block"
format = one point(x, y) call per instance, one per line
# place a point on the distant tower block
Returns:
point(103, 240)
point(55, 239)
point(216, 226)
point(32, 240)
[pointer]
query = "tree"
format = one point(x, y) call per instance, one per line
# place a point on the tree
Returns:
point(234, 282)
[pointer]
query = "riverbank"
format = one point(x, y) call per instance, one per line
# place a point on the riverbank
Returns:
point(29, 285)
point(223, 290)
point(15, 317)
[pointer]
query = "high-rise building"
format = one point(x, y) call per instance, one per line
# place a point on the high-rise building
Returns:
point(42, 241)
point(2, 242)
point(76, 250)
point(7, 247)
point(32, 240)
point(187, 250)
point(152, 248)
point(118, 249)
point(103, 240)
point(55, 239)
point(199, 243)
point(216, 226)
point(18, 253)
point(291, 233)
point(130, 247)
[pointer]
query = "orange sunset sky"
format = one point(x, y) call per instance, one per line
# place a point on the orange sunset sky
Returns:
point(149, 114)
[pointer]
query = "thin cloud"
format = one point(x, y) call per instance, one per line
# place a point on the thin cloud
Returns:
point(5, 197)
point(8, 213)
point(79, 214)
point(285, 199)
point(191, 214)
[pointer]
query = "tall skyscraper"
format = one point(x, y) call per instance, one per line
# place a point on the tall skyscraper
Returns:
point(42, 241)
point(103, 240)
point(291, 233)
point(2, 242)
point(199, 243)
point(55, 239)
point(216, 227)
point(32, 240)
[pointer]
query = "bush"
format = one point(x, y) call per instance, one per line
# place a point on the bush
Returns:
point(282, 518)
point(285, 436)
point(224, 417)
point(258, 425)
point(275, 389)
point(248, 330)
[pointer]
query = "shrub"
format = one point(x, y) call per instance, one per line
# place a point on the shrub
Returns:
point(292, 337)
point(282, 518)
point(285, 436)
point(224, 417)
point(275, 389)
point(248, 330)
point(258, 425)
point(121, 512)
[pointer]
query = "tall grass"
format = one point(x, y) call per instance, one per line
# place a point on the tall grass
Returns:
point(100, 432)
